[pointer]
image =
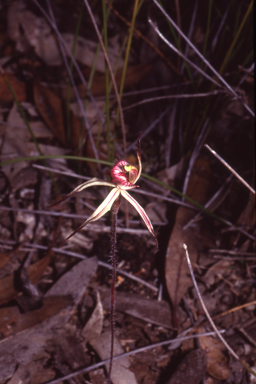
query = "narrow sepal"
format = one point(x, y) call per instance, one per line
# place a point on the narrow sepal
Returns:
point(139, 159)
point(103, 208)
point(87, 184)
point(141, 212)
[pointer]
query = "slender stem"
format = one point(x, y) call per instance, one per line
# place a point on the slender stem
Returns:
point(231, 90)
point(230, 168)
point(231, 351)
point(113, 283)
point(110, 72)
point(127, 53)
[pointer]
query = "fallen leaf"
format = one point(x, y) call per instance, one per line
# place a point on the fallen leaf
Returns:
point(221, 269)
point(34, 373)
point(17, 86)
point(4, 258)
point(34, 341)
point(217, 361)
point(35, 271)
point(50, 107)
point(86, 49)
point(134, 74)
point(17, 141)
point(71, 282)
point(120, 369)
point(98, 376)
point(247, 217)
point(29, 31)
point(12, 321)
point(94, 325)
point(149, 310)
point(177, 276)
point(191, 369)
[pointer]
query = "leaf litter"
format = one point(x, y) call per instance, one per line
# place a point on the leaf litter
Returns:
point(55, 320)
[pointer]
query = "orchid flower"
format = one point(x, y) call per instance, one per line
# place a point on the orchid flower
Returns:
point(123, 176)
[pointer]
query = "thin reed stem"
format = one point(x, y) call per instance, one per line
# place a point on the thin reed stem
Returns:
point(110, 72)
point(115, 209)
point(231, 351)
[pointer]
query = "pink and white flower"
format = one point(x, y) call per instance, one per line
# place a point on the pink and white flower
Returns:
point(123, 176)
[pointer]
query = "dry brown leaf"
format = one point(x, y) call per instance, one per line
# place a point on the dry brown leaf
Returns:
point(77, 131)
point(177, 276)
point(98, 376)
point(85, 52)
point(12, 321)
point(4, 258)
point(120, 369)
point(134, 75)
point(247, 217)
point(35, 271)
point(27, 31)
point(217, 361)
point(17, 86)
point(94, 325)
point(35, 341)
point(191, 370)
point(221, 269)
point(7, 257)
point(51, 108)
point(148, 310)
point(35, 373)
point(49, 105)
point(17, 141)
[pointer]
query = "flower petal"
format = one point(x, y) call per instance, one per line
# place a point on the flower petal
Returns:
point(141, 211)
point(87, 184)
point(139, 160)
point(103, 208)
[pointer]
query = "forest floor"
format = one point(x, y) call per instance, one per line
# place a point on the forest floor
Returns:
point(56, 133)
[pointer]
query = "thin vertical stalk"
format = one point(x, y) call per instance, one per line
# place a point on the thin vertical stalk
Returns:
point(127, 53)
point(105, 36)
point(71, 67)
point(231, 351)
point(225, 61)
point(115, 209)
point(110, 71)
point(208, 27)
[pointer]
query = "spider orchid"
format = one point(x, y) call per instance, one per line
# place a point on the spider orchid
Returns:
point(123, 176)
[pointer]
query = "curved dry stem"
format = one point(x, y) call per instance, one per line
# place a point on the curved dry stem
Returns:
point(231, 351)
point(167, 97)
point(230, 168)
